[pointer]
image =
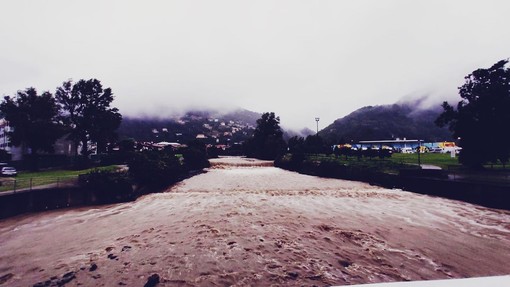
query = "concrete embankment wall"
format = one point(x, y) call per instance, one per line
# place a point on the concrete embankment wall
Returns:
point(423, 182)
point(44, 199)
point(41, 199)
point(486, 194)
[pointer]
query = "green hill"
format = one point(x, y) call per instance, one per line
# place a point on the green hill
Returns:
point(214, 126)
point(387, 122)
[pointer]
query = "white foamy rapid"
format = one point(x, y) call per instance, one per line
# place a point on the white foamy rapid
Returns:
point(244, 222)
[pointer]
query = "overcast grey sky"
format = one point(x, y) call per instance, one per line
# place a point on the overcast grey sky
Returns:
point(300, 59)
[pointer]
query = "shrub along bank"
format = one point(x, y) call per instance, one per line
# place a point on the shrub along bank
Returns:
point(148, 171)
point(375, 171)
point(389, 174)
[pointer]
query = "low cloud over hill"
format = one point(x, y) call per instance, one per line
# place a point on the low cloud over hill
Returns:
point(401, 120)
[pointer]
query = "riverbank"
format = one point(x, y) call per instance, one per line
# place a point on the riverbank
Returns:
point(435, 182)
point(70, 194)
point(246, 223)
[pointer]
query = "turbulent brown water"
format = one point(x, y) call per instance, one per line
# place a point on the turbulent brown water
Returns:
point(246, 223)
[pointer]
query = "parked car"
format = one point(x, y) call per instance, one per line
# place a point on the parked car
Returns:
point(407, 150)
point(8, 171)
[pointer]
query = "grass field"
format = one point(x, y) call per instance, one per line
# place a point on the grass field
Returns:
point(34, 179)
point(386, 165)
point(443, 160)
point(62, 172)
point(398, 160)
point(497, 174)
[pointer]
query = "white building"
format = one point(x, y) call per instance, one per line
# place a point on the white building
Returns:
point(62, 146)
point(5, 144)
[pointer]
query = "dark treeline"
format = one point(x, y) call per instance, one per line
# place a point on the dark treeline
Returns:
point(80, 112)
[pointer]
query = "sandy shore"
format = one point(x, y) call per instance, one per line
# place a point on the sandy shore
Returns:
point(244, 223)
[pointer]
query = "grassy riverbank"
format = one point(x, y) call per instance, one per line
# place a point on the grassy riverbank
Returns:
point(386, 165)
point(39, 178)
point(398, 160)
point(363, 167)
point(487, 187)
point(63, 172)
point(441, 160)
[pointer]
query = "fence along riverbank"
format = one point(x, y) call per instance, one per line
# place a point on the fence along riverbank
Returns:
point(13, 185)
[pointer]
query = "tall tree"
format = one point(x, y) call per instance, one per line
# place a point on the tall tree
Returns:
point(267, 141)
point(34, 119)
point(482, 117)
point(87, 113)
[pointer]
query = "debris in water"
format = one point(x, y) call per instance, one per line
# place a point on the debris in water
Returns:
point(152, 281)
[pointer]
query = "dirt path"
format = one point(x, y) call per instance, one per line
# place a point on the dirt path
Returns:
point(245, 223)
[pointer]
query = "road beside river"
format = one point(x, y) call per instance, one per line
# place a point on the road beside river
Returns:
point(246, 223)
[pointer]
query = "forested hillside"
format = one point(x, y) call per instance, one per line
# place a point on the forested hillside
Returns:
point(387, 122)
point(210, 126)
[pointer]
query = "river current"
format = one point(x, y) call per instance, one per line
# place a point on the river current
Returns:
point(247, 223)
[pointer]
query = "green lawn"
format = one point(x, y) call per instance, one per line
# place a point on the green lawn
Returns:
point(32, 179)
point(392, 165)
point(395, 162)
point(442, 160)
point(62, 172)
point(386, 165)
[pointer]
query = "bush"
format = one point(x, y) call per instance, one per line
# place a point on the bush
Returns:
point(108, 186)
point(115, 158)
point(82, 162)
point(155, 168)
point(195, 156)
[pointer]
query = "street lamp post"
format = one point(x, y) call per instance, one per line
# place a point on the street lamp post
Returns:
point(317, 120)
point(419, 152)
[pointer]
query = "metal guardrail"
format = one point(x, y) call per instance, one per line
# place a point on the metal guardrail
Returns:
point(13, 185)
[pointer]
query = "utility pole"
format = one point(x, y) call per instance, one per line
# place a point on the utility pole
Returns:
point(317, 120)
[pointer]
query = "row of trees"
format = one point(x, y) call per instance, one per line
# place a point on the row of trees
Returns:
point(268, 143)
point(80, 111)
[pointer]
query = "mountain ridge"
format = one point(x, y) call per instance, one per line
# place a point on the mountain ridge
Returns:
point(210, 125)
point(384, 122)
point(380, 122)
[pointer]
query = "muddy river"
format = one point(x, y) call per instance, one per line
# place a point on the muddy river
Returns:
point(246, 223)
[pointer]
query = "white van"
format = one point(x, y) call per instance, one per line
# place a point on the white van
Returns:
point(407, 150)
